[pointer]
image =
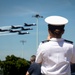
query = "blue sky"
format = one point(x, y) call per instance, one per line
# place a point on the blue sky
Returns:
point(18, 12)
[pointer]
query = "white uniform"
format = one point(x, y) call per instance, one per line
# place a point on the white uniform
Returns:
point(56, 56)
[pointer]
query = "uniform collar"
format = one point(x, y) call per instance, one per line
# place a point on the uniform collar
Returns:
point(55, 39)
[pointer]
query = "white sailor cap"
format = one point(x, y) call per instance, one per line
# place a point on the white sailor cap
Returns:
point(56, 20)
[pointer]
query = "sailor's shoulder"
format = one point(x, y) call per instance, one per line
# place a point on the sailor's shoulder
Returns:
point(45, 41)
point(68, 41)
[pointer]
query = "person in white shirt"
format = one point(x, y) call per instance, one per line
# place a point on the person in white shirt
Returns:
point(56, 53)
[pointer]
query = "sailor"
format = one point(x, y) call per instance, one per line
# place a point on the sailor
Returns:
point(56, 53)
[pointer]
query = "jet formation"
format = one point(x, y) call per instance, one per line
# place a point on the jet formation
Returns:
point(25, 24)
point(19, 29)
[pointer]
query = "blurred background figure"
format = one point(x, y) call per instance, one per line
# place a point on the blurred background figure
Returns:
point(35, 68)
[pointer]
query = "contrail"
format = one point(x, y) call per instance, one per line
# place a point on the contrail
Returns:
point(8, 34)
point(5, 27)
point(9, 27)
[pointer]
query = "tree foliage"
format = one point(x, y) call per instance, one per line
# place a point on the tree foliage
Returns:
point(14, 65)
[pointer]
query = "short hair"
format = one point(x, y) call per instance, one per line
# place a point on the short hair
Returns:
point(32, 59)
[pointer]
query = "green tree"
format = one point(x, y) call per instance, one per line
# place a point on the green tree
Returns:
point(1, 69)
point(14, 65)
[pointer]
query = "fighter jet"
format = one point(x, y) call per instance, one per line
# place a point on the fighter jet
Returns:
point(26, 28)
point(13, 31)
point(22, 33)
point(15, 27)
point(25, 24)
point(3, 30)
